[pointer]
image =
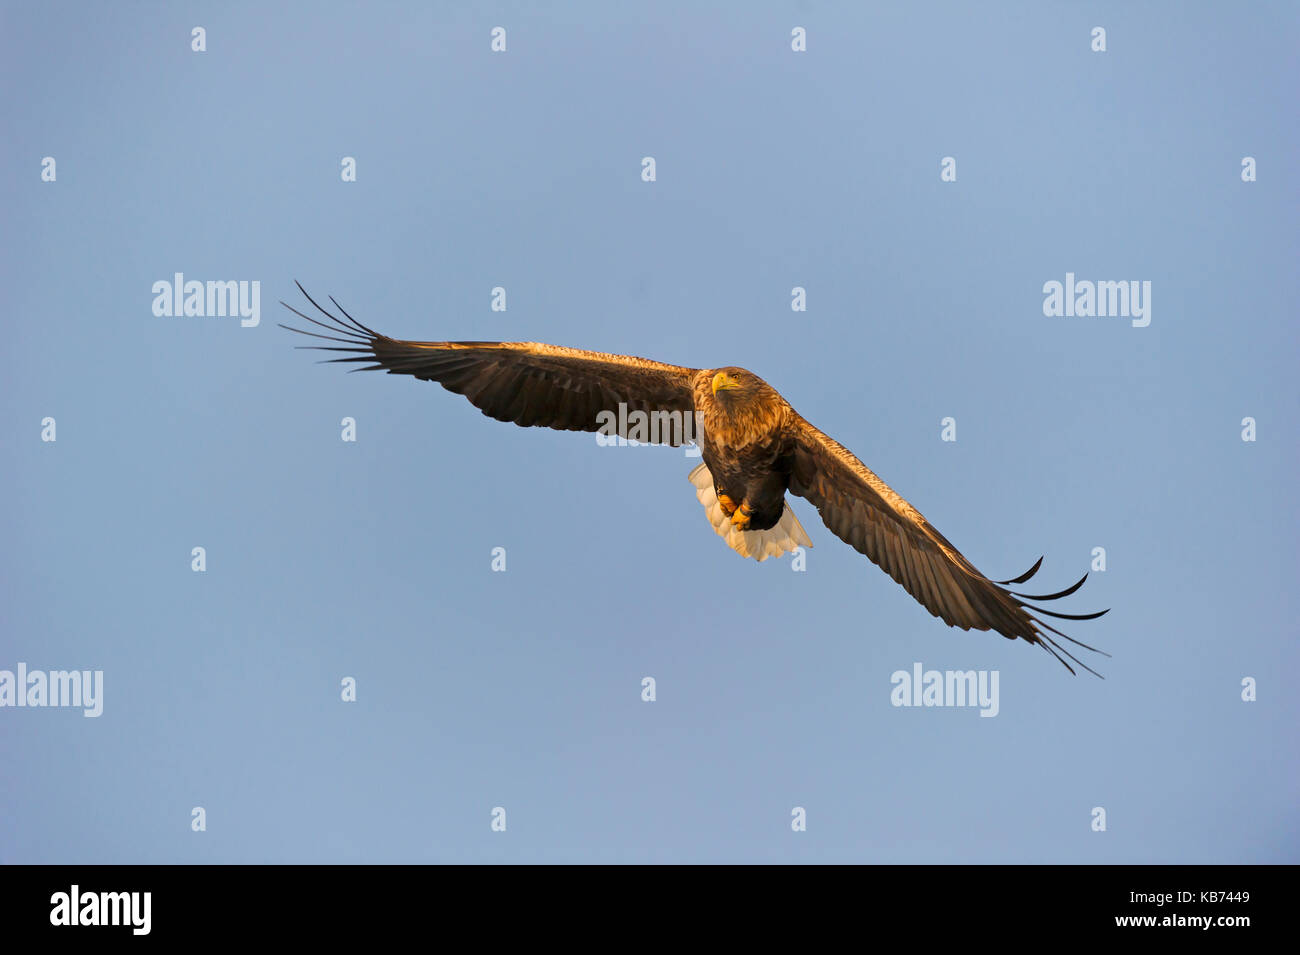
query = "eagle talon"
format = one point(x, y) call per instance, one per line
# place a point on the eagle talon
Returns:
point(742, 516)
point(727, 504)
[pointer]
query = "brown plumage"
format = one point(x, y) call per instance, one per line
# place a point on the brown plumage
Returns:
point(755, 447)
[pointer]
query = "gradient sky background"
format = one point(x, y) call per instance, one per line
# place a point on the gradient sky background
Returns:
point(775, 169)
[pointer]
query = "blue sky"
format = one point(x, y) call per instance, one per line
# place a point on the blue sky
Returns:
point(774, 169)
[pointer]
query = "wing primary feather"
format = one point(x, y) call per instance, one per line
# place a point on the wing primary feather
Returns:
point(1069, 616)
point(313, 301)
point(1048, 647)
point(339, 324)
point(1066, 636)
point(330, 348)
point(329, 328)
point(328, 338)
point(370, 332)
point(1056, 596)
point(1056, 646)
point(1025, 576)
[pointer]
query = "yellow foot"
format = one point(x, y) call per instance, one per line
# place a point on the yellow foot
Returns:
point(741, 517)
point(727, 504)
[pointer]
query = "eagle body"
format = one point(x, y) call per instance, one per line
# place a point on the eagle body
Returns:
point(745, 443)
point(755, 449)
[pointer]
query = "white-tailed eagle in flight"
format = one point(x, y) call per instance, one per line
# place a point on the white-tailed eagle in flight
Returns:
point(754, 446)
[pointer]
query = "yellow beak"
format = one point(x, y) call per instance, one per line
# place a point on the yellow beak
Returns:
point(722, 383)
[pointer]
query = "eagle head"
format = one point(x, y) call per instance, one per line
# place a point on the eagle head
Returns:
point(734, 386)
point(741, 407)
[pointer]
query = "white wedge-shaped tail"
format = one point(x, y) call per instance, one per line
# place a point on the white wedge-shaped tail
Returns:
point(784, 536)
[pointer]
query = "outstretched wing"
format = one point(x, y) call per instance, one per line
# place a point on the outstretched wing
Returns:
point(864, 511)
point(525, 382)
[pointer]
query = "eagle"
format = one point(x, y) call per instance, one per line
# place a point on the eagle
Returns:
point(754, 448)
